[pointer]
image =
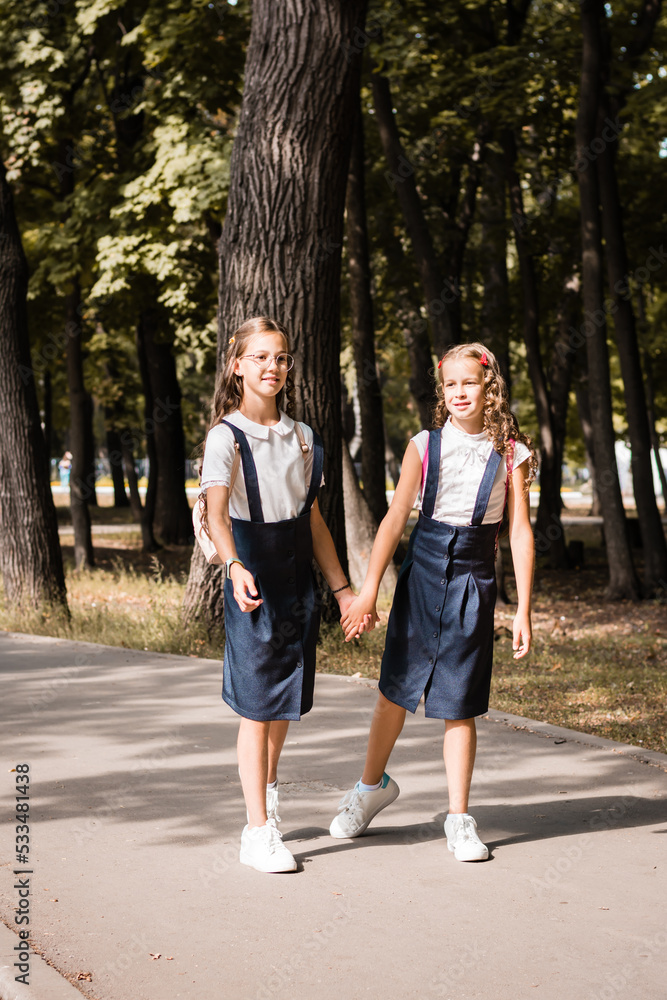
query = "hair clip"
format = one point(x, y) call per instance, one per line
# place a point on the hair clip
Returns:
point(231, 341)
point(440, 362)
point(484, 360)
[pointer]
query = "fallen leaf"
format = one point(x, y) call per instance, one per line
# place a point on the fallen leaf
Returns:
point(603, 907)
point(556, 666)
point(155, 955)
point(170, 958)
point(88, 976)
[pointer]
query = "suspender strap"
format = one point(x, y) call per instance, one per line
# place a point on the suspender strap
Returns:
point(432, 474)
point(316, 474)
point(249, 473)
point(485, 487)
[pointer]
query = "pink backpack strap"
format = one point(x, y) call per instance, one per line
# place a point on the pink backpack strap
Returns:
point(509, 459)
point(424, 468)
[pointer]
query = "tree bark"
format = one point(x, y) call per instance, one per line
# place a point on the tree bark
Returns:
point(30, 556)
point(363, 331)
point(623, 582)
point(82, 476)
point(650, 522)
point(280, 249)
point(172, 518)
point(549, 533)
point(401, 177)
point(48, 419)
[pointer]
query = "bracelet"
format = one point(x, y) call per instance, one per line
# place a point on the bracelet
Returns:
point(340, 588)
point(230, 563)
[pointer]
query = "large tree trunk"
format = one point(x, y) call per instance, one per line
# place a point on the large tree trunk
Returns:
point(363, 332)
point(401, 176)
point(650, 522)
point(280, 248)
point(549, 534)
point(172, 519)
point(30, 556)
point(82, 476)
point(623, 582)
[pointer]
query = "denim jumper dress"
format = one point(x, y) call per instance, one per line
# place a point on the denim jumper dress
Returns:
point(269, 661)
point(440, 630)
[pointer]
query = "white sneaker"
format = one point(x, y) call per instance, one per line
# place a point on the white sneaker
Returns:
point(462, 839)
point(357, 808)
point(272, 803)
point(262, 848)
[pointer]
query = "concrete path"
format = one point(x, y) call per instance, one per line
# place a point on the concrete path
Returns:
point(136, 812)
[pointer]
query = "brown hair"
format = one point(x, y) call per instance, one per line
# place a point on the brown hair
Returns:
point(228, 394)
point(500, 424)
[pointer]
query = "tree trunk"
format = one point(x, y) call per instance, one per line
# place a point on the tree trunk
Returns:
point(401, 178)
point(48, 419)
point(82, 477)
point(655, 439)
point(584, 411)
point(650, 522)
point(361, 528)
point(363, 332)
point(623, 581)
point(420, 378)
point(549, 533)
point(30, 556)
point(139, 512)
point(172, 519)
point(280, 249)
point(494, 320)
point(115, 454)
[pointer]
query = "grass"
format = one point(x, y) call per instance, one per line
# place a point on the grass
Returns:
point(595, 667)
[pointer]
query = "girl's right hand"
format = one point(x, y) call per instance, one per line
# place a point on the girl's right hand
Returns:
point(245, 591)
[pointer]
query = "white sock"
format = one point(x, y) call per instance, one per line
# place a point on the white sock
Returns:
point(272, 784)
point(369, 788)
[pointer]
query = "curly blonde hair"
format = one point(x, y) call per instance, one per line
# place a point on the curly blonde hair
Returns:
point(228, 394)
point(500, 424)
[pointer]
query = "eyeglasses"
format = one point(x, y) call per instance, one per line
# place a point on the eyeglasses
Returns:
point(262, 359)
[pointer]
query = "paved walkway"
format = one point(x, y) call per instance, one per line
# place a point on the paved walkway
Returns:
point(136, 812)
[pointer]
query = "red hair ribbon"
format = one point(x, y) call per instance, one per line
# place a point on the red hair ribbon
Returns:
point(484, 360)
point(440, 362)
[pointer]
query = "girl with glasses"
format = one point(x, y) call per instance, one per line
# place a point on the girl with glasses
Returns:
point(266, 529)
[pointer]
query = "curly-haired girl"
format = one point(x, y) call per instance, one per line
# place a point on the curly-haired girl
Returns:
point(440, 630)
point(266, 527)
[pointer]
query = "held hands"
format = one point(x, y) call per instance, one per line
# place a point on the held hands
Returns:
point(358, 615)
point(522, 635)
point(245, 591)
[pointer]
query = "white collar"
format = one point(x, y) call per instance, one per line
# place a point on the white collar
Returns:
point(463, 436)
point(262, 431)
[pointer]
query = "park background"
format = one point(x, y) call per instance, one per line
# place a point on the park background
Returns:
point(385, 179)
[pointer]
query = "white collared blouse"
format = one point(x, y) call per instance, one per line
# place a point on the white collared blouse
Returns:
point(280, 466)
point(463, 458)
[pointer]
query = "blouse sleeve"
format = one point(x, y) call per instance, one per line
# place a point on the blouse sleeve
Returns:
point(218, 457)
point(521, 453)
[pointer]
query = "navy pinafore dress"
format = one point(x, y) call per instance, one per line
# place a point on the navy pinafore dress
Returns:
point(269, 661)
point(440, 630)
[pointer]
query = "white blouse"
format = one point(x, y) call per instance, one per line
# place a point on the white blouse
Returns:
point(463, 458)
point(281, 471)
